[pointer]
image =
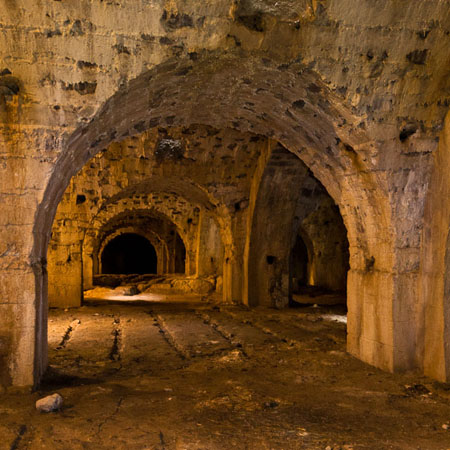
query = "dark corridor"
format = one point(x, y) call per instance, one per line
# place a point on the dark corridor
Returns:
point(129, 254)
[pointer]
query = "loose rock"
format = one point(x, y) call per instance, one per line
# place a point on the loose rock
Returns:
point(50, 403)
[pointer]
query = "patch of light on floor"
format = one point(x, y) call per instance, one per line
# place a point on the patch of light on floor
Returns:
point(133, 298)
point(114, 295)
point(334, 318)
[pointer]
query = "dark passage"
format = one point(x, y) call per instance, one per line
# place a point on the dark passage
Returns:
point(128, 254)
point(299, 265)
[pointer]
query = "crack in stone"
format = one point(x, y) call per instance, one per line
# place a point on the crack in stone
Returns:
point(222, 332)
point(10, 248)
point(107, 419)
point(168, 337)
point(68, 334)
point(15, 444)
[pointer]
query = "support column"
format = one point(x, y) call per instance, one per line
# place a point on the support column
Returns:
point(434, 287)
point(65, 276)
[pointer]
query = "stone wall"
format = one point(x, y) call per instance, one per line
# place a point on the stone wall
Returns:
point(358, 90)
point(329, 258)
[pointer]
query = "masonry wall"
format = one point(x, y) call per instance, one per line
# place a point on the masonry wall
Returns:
point(380, 72)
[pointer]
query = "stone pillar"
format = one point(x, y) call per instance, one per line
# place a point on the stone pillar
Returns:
point(209, 246)
point(23, 323)
point(232, 277)
point(434, 286)
point(370, 326)
point(65, 276)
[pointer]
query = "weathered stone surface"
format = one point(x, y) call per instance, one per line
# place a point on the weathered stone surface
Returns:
point(358, 92)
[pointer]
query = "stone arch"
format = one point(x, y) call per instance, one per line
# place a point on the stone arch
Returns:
point(106, 227)
point(167, 194)
point(205, 202)
point(268, 259)
point(289, 192)
point(157, 242)
point(290, 104)
point(111, 209)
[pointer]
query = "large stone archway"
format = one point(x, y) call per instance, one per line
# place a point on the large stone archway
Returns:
point(285, 196)
point(290, 105)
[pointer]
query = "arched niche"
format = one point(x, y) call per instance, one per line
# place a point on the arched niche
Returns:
point(329, 256)
point(290, 198)
point(289, 104)
point(301, 259)
point(141, 204)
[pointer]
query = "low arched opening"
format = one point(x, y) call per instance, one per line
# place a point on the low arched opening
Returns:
point(129, 254)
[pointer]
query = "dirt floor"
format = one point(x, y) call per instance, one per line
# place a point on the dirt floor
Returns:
point(175, 375)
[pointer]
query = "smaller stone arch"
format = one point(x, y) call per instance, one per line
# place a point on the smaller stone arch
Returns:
point(134, 206)
point(146, 221)
point(92, 266)
point(288, 197)
point(307, 259)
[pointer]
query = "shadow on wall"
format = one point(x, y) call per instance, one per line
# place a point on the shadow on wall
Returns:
point(299, 264)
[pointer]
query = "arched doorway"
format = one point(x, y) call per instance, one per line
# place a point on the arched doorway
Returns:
point(298, 239)
point(320, 255)
point(129, 254)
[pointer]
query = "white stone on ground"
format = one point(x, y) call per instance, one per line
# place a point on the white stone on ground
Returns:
point(50, 403)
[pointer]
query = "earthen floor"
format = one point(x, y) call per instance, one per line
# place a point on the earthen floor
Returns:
point(174, 375)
